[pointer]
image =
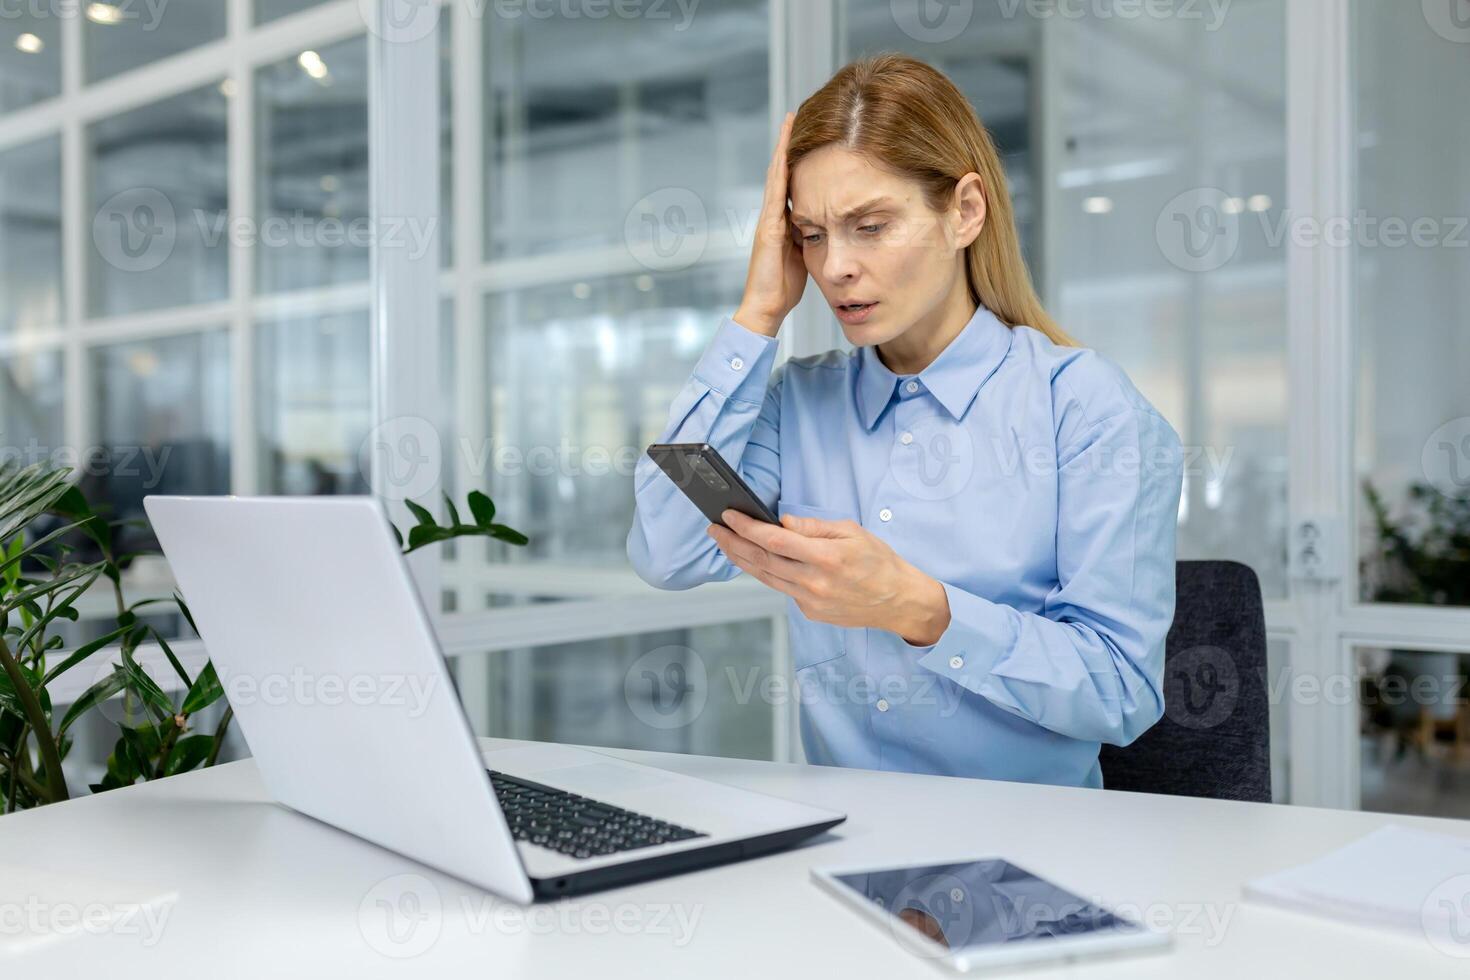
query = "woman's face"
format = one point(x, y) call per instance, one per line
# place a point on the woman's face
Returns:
point(868, 237)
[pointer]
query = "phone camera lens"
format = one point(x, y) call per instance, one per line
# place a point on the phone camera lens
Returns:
point(706, 472)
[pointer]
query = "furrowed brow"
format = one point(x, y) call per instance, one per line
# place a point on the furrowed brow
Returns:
point(849, 213)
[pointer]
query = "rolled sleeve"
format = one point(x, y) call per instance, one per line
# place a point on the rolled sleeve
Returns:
point(1090, 664)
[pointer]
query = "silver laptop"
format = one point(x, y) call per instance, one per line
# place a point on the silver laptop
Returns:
point(315, 627)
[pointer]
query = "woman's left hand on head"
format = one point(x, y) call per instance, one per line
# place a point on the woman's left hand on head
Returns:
point(838, 572)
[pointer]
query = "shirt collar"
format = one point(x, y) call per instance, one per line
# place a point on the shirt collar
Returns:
point(953, 378)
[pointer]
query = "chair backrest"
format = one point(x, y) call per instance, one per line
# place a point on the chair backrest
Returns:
point(1214, 739)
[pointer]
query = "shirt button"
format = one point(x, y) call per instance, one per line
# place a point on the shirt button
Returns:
point(736, 364)
point(882, 704)
point(911, 387)
point(906, 438)
point(885, 515)
point(956, 662)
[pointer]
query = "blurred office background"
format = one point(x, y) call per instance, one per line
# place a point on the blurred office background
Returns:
point(185, 308)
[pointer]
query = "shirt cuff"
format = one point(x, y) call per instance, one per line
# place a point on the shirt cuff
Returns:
point(737, 362)
point(979, 634)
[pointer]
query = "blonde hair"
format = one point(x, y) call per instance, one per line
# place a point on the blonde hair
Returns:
point(909, 118)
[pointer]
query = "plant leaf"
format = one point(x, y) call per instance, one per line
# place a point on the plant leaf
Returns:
point(218, 738)
point(20, 550)
point(10, 572)
point(145, 687)
point(425, 518)
point(122, 769)
point(145, 743)
point(206, 690)
point(29, 496)
point(95, 695)
point(188, 616)
point(173, 661)
point(9, 700)
point(155, 601)
point(187, 753)
point(423, 534)
point(453, 514)
point(508, 534)
point(482, 507)
point(74, 504)
point(82, 653)
point(27, 596)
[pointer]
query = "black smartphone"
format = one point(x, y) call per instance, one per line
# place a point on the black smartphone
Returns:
point(709, 481)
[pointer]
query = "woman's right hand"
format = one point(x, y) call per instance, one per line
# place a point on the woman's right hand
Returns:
point(777, 275)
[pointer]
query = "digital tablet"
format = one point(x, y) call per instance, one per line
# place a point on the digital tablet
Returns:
point(985, 914)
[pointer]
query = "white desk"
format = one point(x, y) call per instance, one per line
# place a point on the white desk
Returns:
point(266, 893)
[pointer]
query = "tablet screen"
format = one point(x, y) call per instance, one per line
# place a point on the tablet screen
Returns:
point(981, 903)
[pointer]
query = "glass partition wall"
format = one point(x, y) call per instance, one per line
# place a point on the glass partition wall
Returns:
point(204, 271)
point(1410, 448)
point(192, 301)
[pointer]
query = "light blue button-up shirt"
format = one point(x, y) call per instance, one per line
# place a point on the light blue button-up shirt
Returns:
point(1033, 481)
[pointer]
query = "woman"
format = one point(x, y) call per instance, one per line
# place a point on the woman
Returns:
point(977, 515)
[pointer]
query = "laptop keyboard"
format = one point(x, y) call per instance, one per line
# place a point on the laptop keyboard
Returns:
point(575, 825)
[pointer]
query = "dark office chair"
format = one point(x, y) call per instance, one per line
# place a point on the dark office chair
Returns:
point(1214, 739)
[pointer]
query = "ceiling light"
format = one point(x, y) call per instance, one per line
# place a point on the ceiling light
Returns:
point(312, 64)
point(104, 13)
point(143, 363)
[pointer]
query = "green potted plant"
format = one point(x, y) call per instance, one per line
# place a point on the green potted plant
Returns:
point(1423, 558)
point(41, 582)
point(1426, 563)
